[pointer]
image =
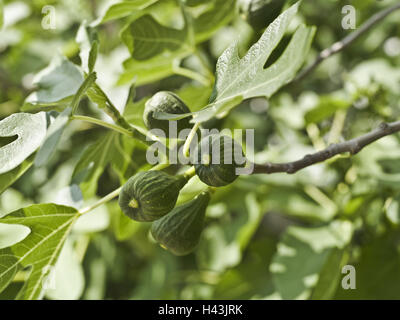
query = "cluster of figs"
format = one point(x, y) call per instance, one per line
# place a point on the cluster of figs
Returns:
point(151, 196)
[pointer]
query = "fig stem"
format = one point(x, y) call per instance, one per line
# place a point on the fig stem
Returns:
point(103, 200)
point(103, 124)
point(189, 139)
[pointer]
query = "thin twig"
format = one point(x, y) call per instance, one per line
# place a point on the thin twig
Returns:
point(340, 45)
point(353, 146)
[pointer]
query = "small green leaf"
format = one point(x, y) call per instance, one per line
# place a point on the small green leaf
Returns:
point(57, 83)
point(12, 234)
point(377, 271)
point(31, 131)
point(50, 225)
point(52, 138)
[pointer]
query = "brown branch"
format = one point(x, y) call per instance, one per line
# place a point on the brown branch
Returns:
point(353, 146)
point(340, 45)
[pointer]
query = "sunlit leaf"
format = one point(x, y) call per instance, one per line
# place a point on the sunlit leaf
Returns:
point(302, 253)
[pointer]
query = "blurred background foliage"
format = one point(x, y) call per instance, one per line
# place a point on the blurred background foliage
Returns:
point(267, 236)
